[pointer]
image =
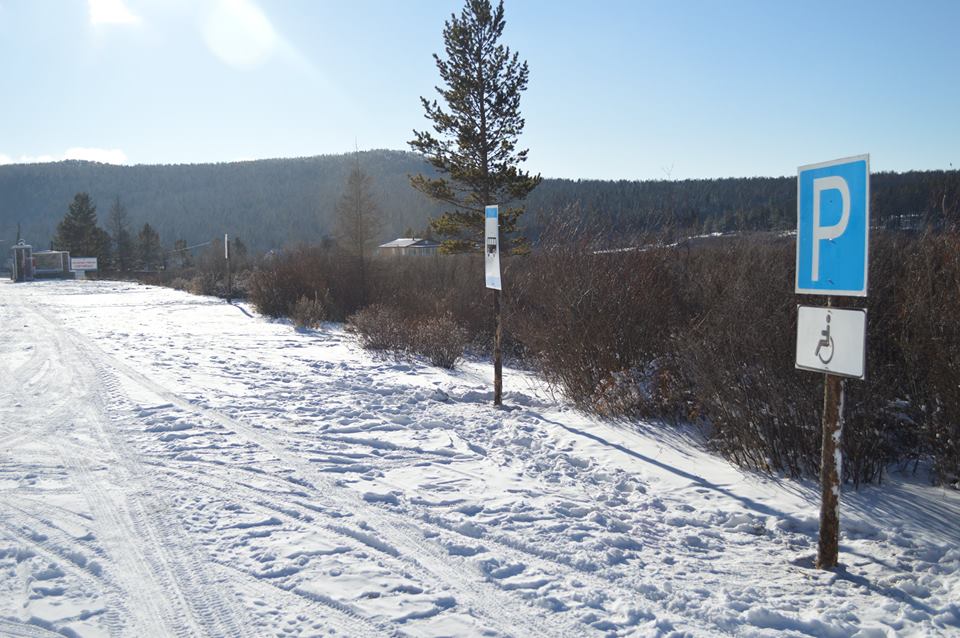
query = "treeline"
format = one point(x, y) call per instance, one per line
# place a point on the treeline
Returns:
point(123, 250)
point(916, 199)
point(283, 201)
point(273, 202)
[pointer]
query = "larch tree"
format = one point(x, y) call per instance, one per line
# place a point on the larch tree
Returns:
point(118, 225)
point(358, 222)
point(149, 250)
point(473, 142)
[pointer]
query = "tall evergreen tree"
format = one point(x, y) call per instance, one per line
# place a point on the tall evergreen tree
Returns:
point(475, 131)
point(359, 223)
point(473, 145)
point(78, 232)
point(149, 250)
point(118, 225)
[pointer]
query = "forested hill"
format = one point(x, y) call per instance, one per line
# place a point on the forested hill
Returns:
point(269, 203)
point(272, 203)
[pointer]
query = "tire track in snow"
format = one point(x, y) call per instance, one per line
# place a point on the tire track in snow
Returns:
point(165, 591)
point(473, 591)
point(342, 616)
point(12, 629)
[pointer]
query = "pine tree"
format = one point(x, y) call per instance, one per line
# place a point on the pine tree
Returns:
point(149, 250)
point(79, 234)
point(119, 228)
point(358, 224)
point(475, 147)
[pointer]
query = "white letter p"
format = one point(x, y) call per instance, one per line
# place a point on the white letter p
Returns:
point(820, 233)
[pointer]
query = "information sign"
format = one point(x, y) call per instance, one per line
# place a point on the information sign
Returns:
point(491, 247)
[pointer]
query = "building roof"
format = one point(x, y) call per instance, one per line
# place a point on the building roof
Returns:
point(410, 242)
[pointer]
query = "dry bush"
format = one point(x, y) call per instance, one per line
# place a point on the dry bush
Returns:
point(705, 331)
point(596, 321)
point(929, 309)
point(737, 354)
point(382, 328)
point(207, 283)
point(441, 339)
point(701, 331)
point(310, 312)
point(180, 283)
point(280, 280)
point(427, 286)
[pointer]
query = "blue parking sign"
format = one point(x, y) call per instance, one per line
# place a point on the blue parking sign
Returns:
point(833, 226)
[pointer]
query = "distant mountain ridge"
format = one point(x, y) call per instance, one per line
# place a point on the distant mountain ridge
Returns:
point(275, 202)
point(269, 203)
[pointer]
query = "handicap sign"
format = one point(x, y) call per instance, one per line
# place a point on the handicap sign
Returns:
point(833, 225)
point(832, 340)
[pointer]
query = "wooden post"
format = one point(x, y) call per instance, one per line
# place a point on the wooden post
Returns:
point(226, 254)
point(831, 467)
point(497, 351)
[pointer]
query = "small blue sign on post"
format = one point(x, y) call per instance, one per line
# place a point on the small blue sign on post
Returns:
point(491, 244)
point(833, 227)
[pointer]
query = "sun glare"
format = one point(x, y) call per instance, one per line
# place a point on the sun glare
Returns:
point(239, 34)
point(111, 12)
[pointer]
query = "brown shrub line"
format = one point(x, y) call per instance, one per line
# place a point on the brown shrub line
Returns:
point(700, 331)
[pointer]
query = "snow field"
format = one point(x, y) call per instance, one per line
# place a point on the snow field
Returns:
point(173, 465)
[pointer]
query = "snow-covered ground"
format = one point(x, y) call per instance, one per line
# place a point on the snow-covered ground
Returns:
point(171, 465)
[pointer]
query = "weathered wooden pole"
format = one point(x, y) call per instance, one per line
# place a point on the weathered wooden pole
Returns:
point(226, 254)
point(497, 351)
point(831, 468)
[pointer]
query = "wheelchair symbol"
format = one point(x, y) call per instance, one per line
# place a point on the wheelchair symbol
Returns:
point(825, 344)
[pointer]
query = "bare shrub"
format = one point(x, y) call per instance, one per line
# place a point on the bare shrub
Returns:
point(206, 283)
point(705, 330)
point(279, 281)
point(697, 330)
point(441, 339)
point(736, 352)
point(594, 320)
point(425, 286)
point(654, 391)
point(310, 312)
point(929, 308)
point(382, 328)
point(180, 283)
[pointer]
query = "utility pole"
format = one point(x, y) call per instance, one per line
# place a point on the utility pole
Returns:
point(226, 255)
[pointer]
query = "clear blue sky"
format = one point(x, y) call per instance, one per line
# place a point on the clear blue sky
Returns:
point(618, 89)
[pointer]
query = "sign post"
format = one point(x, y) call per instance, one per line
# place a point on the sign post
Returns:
point(491, 255)
point(226, 255)
point(80, 265)
point(833, 226)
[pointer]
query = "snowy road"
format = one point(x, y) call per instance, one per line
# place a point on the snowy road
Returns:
point(171, 465)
